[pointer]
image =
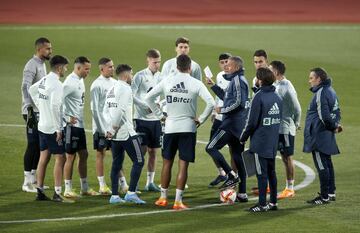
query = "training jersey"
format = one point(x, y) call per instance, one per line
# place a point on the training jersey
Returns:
point(141, 84)
point(98, 91)
point(34, 70)
point(118, 111)
point(74, 98)
point(181, 92)
point(223, 84)
point(170, 68)
point(291, 107)
point(47, 95)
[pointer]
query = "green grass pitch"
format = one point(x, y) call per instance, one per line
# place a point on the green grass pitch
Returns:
point(301, 47)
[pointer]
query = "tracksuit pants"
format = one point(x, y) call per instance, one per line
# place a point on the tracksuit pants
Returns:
point(326, 173)
point(265, 172)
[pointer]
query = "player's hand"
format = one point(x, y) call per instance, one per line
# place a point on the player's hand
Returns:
point(148, 110)
point(209, 81)
point(108, 135)
point(73, 120)
point(197, 122)
point(339, 129)
point(31, 121)
point(218, 110)
point(58, 137)
point(298, 128)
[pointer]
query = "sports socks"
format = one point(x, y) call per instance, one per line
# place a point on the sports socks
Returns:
point(179, 195)
point(221, 171)
point(84, 184)
point(122, 181)
point(101, 180)
point(33, 176)
point(27, 178)
point(150, 178)
point(68, 185)
point(58, 190)
point(163, 193)
point(290, 184)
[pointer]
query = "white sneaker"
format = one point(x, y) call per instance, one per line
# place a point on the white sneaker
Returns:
point(29, 188)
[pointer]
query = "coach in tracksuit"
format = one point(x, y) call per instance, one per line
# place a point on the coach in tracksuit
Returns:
point(234, 110)
point(263, 127)
point(322, 122)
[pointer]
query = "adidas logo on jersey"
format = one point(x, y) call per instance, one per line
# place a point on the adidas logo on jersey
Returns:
point(274, 110)
point(180, 88)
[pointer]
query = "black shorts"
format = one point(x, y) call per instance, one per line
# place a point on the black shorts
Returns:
point(149, 132)
point(100, 142)
point(286, 144)
point(184, 142)
point(75, 139)
point(48, 142)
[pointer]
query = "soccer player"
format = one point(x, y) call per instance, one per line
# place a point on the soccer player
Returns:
point(181, 92)
point(98, 92)
point(147, 125)
point(216, 116)
point(260, 61)
point(34, 70)
point(262, 126)
point(75, 138)
point(234, 110)
point(47, 95)
point(182, 46)
point(290, 122)
point(118, 113)
point(321, 124)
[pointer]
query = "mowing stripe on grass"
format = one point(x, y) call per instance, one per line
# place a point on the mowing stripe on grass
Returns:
point(309, 178)
point(185, 27)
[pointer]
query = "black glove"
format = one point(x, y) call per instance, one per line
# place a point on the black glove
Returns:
point(31, 121)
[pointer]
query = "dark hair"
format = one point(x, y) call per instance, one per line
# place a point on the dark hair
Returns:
point(279, 66)
point(224, 56)
point(260, 53)
point(41, 41)
point(320, 72)
point(266, 76)
point(153, 53)
point(81, 60)
point(238, 60)
point(183, 62)
point(183, 40)
point(104, 60)
point(58, 60)
point(122, 68)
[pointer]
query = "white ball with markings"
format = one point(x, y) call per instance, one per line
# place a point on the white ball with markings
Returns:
point(228, 196)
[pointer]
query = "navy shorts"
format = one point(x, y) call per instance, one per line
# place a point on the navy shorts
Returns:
point(149, 132)
point(184, 142)
point(48, 142)
point(286, 144)
point(100, 142)
point(75, 139)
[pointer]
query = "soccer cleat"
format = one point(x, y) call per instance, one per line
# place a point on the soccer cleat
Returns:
point(89, 192)
point(161, 202)
point(40, 196)
point(255, 190)
point(30, 188)
point(332, 197)
point(272, 206)
point(258, 208)
point(70, 194)
point(152, 188)
point(241, 198)
point(217, 181)
point(318, 201)
point(231, 181)
point(59, 198)
point(178, 205)
point(116, 200)
point(286, 194)
point(105, 191)
point(133, 198)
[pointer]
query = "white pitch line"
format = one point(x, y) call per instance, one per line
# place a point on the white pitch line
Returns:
point(185, 27)
point(309, 178)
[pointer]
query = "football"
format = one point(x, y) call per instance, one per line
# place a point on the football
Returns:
point(228, 196)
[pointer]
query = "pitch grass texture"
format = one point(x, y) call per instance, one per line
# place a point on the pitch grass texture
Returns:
point(300, 47)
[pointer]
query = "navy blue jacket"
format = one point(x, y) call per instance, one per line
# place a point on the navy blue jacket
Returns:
point(236, 102)
point(322, 118)
point(263, 122)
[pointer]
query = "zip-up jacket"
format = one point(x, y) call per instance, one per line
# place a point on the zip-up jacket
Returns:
point(322, 118)
point(263, 122)
point(236, 102)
